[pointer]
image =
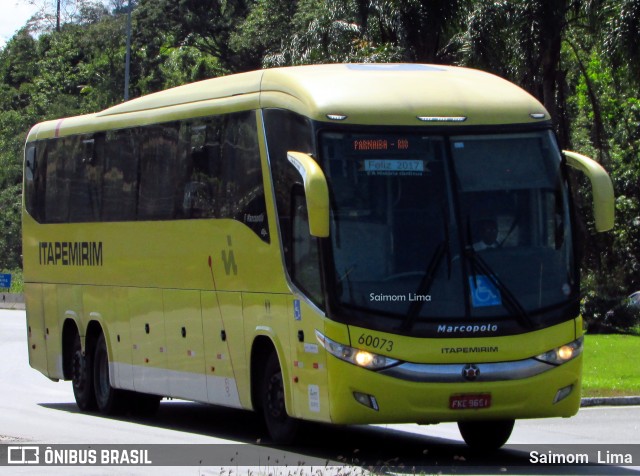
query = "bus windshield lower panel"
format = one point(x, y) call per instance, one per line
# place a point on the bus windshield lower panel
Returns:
point(446, 229)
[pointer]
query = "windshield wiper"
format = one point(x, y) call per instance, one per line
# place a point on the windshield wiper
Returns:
point(430, 274)
point(426, 283)
point(511, 302)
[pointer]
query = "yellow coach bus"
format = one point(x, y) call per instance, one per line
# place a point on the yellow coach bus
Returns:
point(336, 243)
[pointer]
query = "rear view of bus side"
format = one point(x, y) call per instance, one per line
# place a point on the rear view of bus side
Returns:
point(333, 243)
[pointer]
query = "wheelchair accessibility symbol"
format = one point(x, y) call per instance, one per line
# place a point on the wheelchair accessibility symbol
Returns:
point(483, 292)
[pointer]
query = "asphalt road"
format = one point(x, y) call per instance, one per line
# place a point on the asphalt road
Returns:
point(34, 410)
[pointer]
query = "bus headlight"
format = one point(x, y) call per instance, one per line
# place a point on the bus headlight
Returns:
point(361, 358)
point(562, 354)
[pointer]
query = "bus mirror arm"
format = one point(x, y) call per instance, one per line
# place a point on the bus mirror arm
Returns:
point(602, 188)
point(316, 192)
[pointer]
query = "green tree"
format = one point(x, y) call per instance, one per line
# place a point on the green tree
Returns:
point(623, 37)
point(523, 41)
point(265, 27)
point(13, 126)
point(332, 31)
point(52, 14)
point(207, 26)
point(604, 106)
point(17, 69)
point(425, 27)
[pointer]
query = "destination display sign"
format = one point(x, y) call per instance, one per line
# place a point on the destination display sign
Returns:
point(389, 155)
point(380, 144)
point(393, 166)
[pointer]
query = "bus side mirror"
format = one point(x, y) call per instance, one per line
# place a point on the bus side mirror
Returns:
point(316, 192)
point(602, 188)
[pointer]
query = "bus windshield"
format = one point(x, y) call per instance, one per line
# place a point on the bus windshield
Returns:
point(444, 228)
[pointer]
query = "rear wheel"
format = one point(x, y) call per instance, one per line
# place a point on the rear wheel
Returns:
point(281, 427)
point(486, 435)
point(109, 400)
point(82, 376)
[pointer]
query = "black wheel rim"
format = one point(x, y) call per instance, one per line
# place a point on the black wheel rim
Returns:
point(275, 398)
point(79, 376)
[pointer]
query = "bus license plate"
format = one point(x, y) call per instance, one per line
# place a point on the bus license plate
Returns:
point(470, 401)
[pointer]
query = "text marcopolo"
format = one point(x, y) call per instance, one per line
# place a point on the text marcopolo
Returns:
point(464, 329)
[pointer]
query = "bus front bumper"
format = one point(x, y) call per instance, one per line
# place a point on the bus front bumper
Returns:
point(358, 395)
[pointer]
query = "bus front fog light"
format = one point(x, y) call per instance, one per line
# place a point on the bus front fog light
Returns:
point(563, 393)
point(366, 400)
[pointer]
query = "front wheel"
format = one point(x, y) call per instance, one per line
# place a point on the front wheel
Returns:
point(281, 427)
point(486, 435)
point(109, 400)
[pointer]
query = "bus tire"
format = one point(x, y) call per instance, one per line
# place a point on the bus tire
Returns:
point(486, 435)
point(281, 427)
point(110, 401)
point(82, 377)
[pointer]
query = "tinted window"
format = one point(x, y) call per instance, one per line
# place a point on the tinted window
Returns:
point(285, 132)
point(35, 180)
point(243, 174)
point(120, 175)
point(161, 172)
point(205, 168)
point(224, 173)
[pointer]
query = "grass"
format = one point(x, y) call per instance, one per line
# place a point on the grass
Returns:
point(611, 366)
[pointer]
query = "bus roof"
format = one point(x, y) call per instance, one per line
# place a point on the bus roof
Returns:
point(372, 94)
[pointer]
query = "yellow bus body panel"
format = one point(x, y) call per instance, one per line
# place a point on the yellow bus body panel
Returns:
point(36, 333)
point(463, 350)
point(158, 254)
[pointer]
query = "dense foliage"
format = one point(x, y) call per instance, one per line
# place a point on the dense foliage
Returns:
point(581, 58)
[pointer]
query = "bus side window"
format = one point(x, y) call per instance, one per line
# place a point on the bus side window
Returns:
point(285, 131)
point(198, 199)
point(159, 171)
point(85, 176)
point(305, 263)
point(243, 186)
point(203, 175)
point(35, 178)
point(120, 176)
point(56, 207)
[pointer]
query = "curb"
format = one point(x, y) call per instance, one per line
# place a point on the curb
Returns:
point(11, 301)
point(609, 401)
